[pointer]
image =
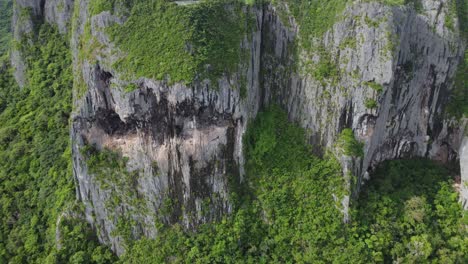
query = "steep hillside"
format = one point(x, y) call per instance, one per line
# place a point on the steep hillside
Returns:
point(222, 131)
point(5, 25)
point(38, 219)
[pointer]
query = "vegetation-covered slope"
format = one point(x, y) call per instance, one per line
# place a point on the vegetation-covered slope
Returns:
point(178, 43)
point(287, 212)
point(5, 24)
point(410, 213)
point(36, 184)
point(287, 209)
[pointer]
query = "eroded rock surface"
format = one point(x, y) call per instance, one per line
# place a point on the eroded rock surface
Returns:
point(27, 15)
point(394, 75)
point(464, 172)
point(184, 141)
point(194, 134)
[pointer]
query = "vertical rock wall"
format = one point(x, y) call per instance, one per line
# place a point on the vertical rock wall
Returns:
point(27, 16)
point(464, 173)
point(183, 144)
point(403, 61)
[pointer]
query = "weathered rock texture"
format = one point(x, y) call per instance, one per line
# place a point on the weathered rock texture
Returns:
point(185, 143)
point(27, 15)
point(411, 56)
point(464, 173)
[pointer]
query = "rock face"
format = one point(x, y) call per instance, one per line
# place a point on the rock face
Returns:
point(402, 61)
point(59, 12)
point(464, 173)
point(394, 70)
point(27, 14)
point(185, 142)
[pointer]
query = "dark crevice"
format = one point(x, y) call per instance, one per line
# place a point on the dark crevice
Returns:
point(175, 190)
point(110, 122)
point(42, 8)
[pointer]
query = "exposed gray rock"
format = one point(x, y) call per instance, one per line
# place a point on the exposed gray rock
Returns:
point(193, 134)
point(464, 172)
point(185, 142)
point(27, 16)
point(412, 62)
point(59, 12)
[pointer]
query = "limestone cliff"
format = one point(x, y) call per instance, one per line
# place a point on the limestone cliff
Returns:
point(27, 15)
point(399, 59)
point(185, 142)
point(388, 77)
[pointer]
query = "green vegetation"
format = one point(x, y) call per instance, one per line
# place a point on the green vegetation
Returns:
point(370, 22)
point(451, 15)
point(458, 105)
point(36, 184)
point(326, 68)
point(391, 46)
point(370, 103)
point(350, 145)
point(285, 211)
point(7, 90)
point(457, 9)
point(165, 41)
point(349, 42)
point(314, 17)
point(98, 6)
point(108, 166)
point(79, 244)
point(131, 87)
point(409, 213)
point(5, 25)
point(374, 86)
point(111, 172)
point(462, 12)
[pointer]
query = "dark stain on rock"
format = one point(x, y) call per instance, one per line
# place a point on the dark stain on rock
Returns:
point(110, 122)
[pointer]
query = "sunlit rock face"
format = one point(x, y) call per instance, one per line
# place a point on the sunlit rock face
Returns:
point(183, 143)
point(404, 62)
point(464, 173)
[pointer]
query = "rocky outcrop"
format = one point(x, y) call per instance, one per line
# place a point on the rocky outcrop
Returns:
point(392, 74)
point(464, 173)
point(59, 12)
point(27, 15)
point(401, 60)
point(184, 142)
